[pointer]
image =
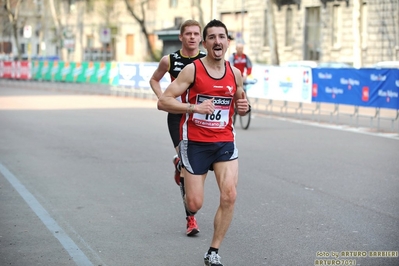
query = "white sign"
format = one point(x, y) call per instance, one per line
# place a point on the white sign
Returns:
point(292, 84)
point(105, 35)
point(27, 31)
point(69, 43)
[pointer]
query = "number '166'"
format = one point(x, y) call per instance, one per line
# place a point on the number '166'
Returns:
point(214, 116)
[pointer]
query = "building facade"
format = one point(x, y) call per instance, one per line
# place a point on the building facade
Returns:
point(356, 32)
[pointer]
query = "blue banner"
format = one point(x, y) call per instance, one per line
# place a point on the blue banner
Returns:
point(138, 75)
point(359, 87)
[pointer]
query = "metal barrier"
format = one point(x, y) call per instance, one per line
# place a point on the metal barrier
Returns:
point(354, 116)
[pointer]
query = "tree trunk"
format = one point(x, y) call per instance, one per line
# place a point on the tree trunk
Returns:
point(13, 18)
point(58, 30)
point(142, 26)
point(357, 35)
point(197, 3)
point(274, 58)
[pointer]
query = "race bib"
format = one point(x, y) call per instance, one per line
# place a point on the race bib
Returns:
point(221, 115)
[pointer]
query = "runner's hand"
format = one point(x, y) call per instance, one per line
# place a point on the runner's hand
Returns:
point(206, 107)
point(242, 104)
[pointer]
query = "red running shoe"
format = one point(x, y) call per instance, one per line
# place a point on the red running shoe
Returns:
point(176, 162)
point(192, 227)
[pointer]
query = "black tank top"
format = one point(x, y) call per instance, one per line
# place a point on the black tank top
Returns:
point(177, 62)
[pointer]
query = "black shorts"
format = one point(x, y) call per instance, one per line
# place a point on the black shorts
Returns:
point(199, 157)
point(174, 128)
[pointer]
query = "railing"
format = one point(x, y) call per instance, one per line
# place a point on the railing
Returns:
point(304, 96)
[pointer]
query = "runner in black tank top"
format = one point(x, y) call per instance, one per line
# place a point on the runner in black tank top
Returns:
point(190, 36)
point(177, 63)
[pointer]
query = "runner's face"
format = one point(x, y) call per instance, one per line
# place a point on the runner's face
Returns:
point(216, 42)
point(191, 37)
point(240, 49)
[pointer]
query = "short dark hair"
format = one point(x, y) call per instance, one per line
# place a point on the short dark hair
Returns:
point(214, 23)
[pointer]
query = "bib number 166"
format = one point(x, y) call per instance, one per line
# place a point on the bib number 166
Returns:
point(214, 116)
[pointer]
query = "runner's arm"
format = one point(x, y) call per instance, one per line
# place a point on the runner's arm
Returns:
point(248, 66)
point(231, 59)
point(168, 102)
point(240, 97)
point(161, 70)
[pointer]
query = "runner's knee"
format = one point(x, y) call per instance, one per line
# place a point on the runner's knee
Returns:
point(194, 203)
point(228, 197)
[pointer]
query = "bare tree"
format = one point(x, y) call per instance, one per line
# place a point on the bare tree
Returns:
point(110, 17)
point(357, 34)
point(141, 19)
point(59, 37)
point(13, 15)
point(197, 4)
point(272, 34)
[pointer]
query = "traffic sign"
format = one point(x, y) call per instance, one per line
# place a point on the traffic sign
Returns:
point(105, 35)
point(27, 31)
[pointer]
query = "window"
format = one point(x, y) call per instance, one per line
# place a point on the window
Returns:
point(71, 6)
point(110, 6)
point(178, 21)
point(152, 38)
point(312, 34)
point(39, 5)
point(130, 44)
point(172, 3)
point(152, 4)
point(89, 41)
point(363, 25)
point(89, 6)
point(336, 26)
point(265, 30)
point(288, 27)
point(6, 47)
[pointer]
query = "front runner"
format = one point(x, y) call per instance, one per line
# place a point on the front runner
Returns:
point(210, 87)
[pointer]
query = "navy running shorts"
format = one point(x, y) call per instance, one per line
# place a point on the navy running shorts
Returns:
point(199, 157)
point(174, 128)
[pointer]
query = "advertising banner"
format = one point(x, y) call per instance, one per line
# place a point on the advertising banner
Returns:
point(36, 69)
point(102, 72)
point(54, 70)
point(128, 73)
point(138, 75)
point(66, 71)
point(358, 87)
point(89, 72)
point(292, 84)
point(145, 73)
point(113, 74)
point(45, 73)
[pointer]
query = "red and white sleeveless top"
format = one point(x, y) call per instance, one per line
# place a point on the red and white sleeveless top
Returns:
point(216, 127)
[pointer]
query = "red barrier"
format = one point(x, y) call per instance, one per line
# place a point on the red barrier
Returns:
point(16, 70)
point(7, 69)
point(23, 70)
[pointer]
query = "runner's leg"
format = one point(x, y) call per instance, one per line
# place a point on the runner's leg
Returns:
point(226, 176)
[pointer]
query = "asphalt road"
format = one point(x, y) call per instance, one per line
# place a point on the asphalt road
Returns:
point(88, 180)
